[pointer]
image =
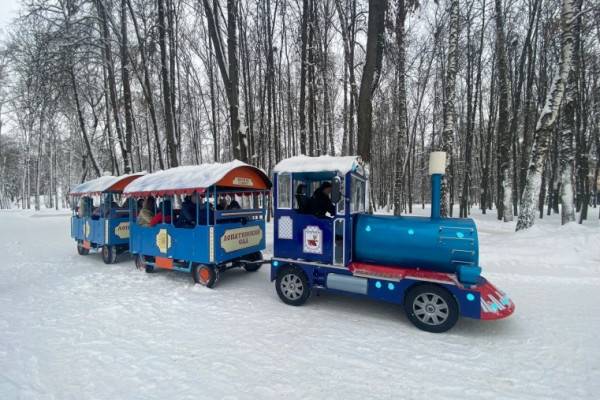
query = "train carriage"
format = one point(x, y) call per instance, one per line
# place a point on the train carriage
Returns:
point(228, 204)
point(428, 265)
point(98, 222)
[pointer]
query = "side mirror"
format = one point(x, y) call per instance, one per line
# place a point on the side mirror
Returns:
point(336, 193)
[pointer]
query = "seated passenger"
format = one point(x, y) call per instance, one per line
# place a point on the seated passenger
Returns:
point(202, 213)
point(234, 205)
point(222, 203)
point(83, 209)
point(147, 213)
point(158, 217)
point(320, 202)
point(187, 217)
point(302, 199)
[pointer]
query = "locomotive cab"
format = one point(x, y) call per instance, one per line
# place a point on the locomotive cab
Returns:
point(430, 265)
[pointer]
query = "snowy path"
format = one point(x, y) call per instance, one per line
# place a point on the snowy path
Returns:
point(74, 328)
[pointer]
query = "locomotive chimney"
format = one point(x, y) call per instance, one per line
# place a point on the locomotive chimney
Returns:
point(437, 168)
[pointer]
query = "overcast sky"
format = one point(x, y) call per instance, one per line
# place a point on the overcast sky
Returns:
point(8, 10)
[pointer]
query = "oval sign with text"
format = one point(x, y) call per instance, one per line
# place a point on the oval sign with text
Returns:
point(241, 238)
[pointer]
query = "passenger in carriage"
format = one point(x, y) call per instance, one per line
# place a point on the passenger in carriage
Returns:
point(163, 215)
point(147, 213)
point(84, 207)
point(187, 216)
point(222, 203)
point(320, 202)
point(234, 205)
point(302, 199)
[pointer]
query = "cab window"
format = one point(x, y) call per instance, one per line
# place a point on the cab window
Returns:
point(284, 191)
point(357, 202)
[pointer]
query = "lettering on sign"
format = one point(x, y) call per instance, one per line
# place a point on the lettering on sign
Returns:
point(163, 240)
point(122, 230)
point(240, 181)
point(241, 238)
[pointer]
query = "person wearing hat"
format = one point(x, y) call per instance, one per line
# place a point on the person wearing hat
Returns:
point(320, 202)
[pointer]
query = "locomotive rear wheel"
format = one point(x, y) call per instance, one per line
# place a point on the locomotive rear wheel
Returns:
point(109, 254)
point(431, 308)
point(205, 275)
point(82, 251)
point(292, 286)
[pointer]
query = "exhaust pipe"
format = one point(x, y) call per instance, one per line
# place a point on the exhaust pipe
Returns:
point(437, 168)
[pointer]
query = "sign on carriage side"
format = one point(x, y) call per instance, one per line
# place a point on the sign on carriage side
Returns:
point(242, 181)
point(122, 230)
point(163, 240)
point(241, 238)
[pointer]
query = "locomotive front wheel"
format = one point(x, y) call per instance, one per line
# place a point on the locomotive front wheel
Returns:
point(205, 275)
point(292, 286)
point(253, 257)
point(82, 251)
point(109, 254)
point(431, 308)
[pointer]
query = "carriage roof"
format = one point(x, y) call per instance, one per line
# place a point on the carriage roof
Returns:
point(103, 184)
point(305, 165)
point(197, 178)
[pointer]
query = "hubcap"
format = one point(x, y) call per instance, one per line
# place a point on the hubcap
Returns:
point(291, 286)
point(430, 309)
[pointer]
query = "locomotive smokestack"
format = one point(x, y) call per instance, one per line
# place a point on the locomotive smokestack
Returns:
point(437, 168)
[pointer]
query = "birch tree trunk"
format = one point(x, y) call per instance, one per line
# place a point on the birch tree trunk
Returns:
point(547, 120)
point(449, 108)
point(126, 87)
point(505, 208)
point(402, 128)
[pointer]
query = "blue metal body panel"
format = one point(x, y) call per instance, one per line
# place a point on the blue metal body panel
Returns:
point(418, 242)
point(192, 244)
point(101, 231)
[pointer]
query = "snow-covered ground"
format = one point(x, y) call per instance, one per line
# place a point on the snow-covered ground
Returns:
point(74, 328)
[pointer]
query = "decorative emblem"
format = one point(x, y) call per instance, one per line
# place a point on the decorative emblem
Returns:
point(86, 229)
point(313, 240)
point(122, 230)
point(240, 181)
point(163, 240)
point(285, 227)
point(241, 238)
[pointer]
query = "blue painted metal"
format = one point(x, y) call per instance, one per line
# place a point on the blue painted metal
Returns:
point(441, 244)
point(436, 195)
point(101, 231)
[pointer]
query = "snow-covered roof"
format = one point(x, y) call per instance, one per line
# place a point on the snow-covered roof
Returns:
point(101, 184)
point(191, 178)
point(306, 164)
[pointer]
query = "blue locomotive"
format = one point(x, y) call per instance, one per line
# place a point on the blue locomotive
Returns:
point(98, 222)
point(204, 220)
point(428, 265)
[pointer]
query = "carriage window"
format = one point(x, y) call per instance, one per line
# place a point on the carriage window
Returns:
point(284, 191)
point(357, 202)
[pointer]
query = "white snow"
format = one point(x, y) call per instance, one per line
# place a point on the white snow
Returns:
point(72, 327)
point(317, 164)
point(100, 184)
point(184, 177)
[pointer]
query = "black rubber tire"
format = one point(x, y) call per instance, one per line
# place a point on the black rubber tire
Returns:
point(253, 257)
point(140, 263)
point(437, 299)
point(82, 251)
point(149, 269)
point(292, 286)
point(109, 254)
point(205, 275)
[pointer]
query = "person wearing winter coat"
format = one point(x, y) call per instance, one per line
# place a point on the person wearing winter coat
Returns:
point(320, 202)
point(147, 213)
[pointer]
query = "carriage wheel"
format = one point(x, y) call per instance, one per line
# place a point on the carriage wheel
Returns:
point(109, 254)
point(253, 257)
point(205, 275)
point(431, 308)
point(292, 286)
point(82, 251)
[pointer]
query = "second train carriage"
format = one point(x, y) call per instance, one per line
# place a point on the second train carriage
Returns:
point(211, 218)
